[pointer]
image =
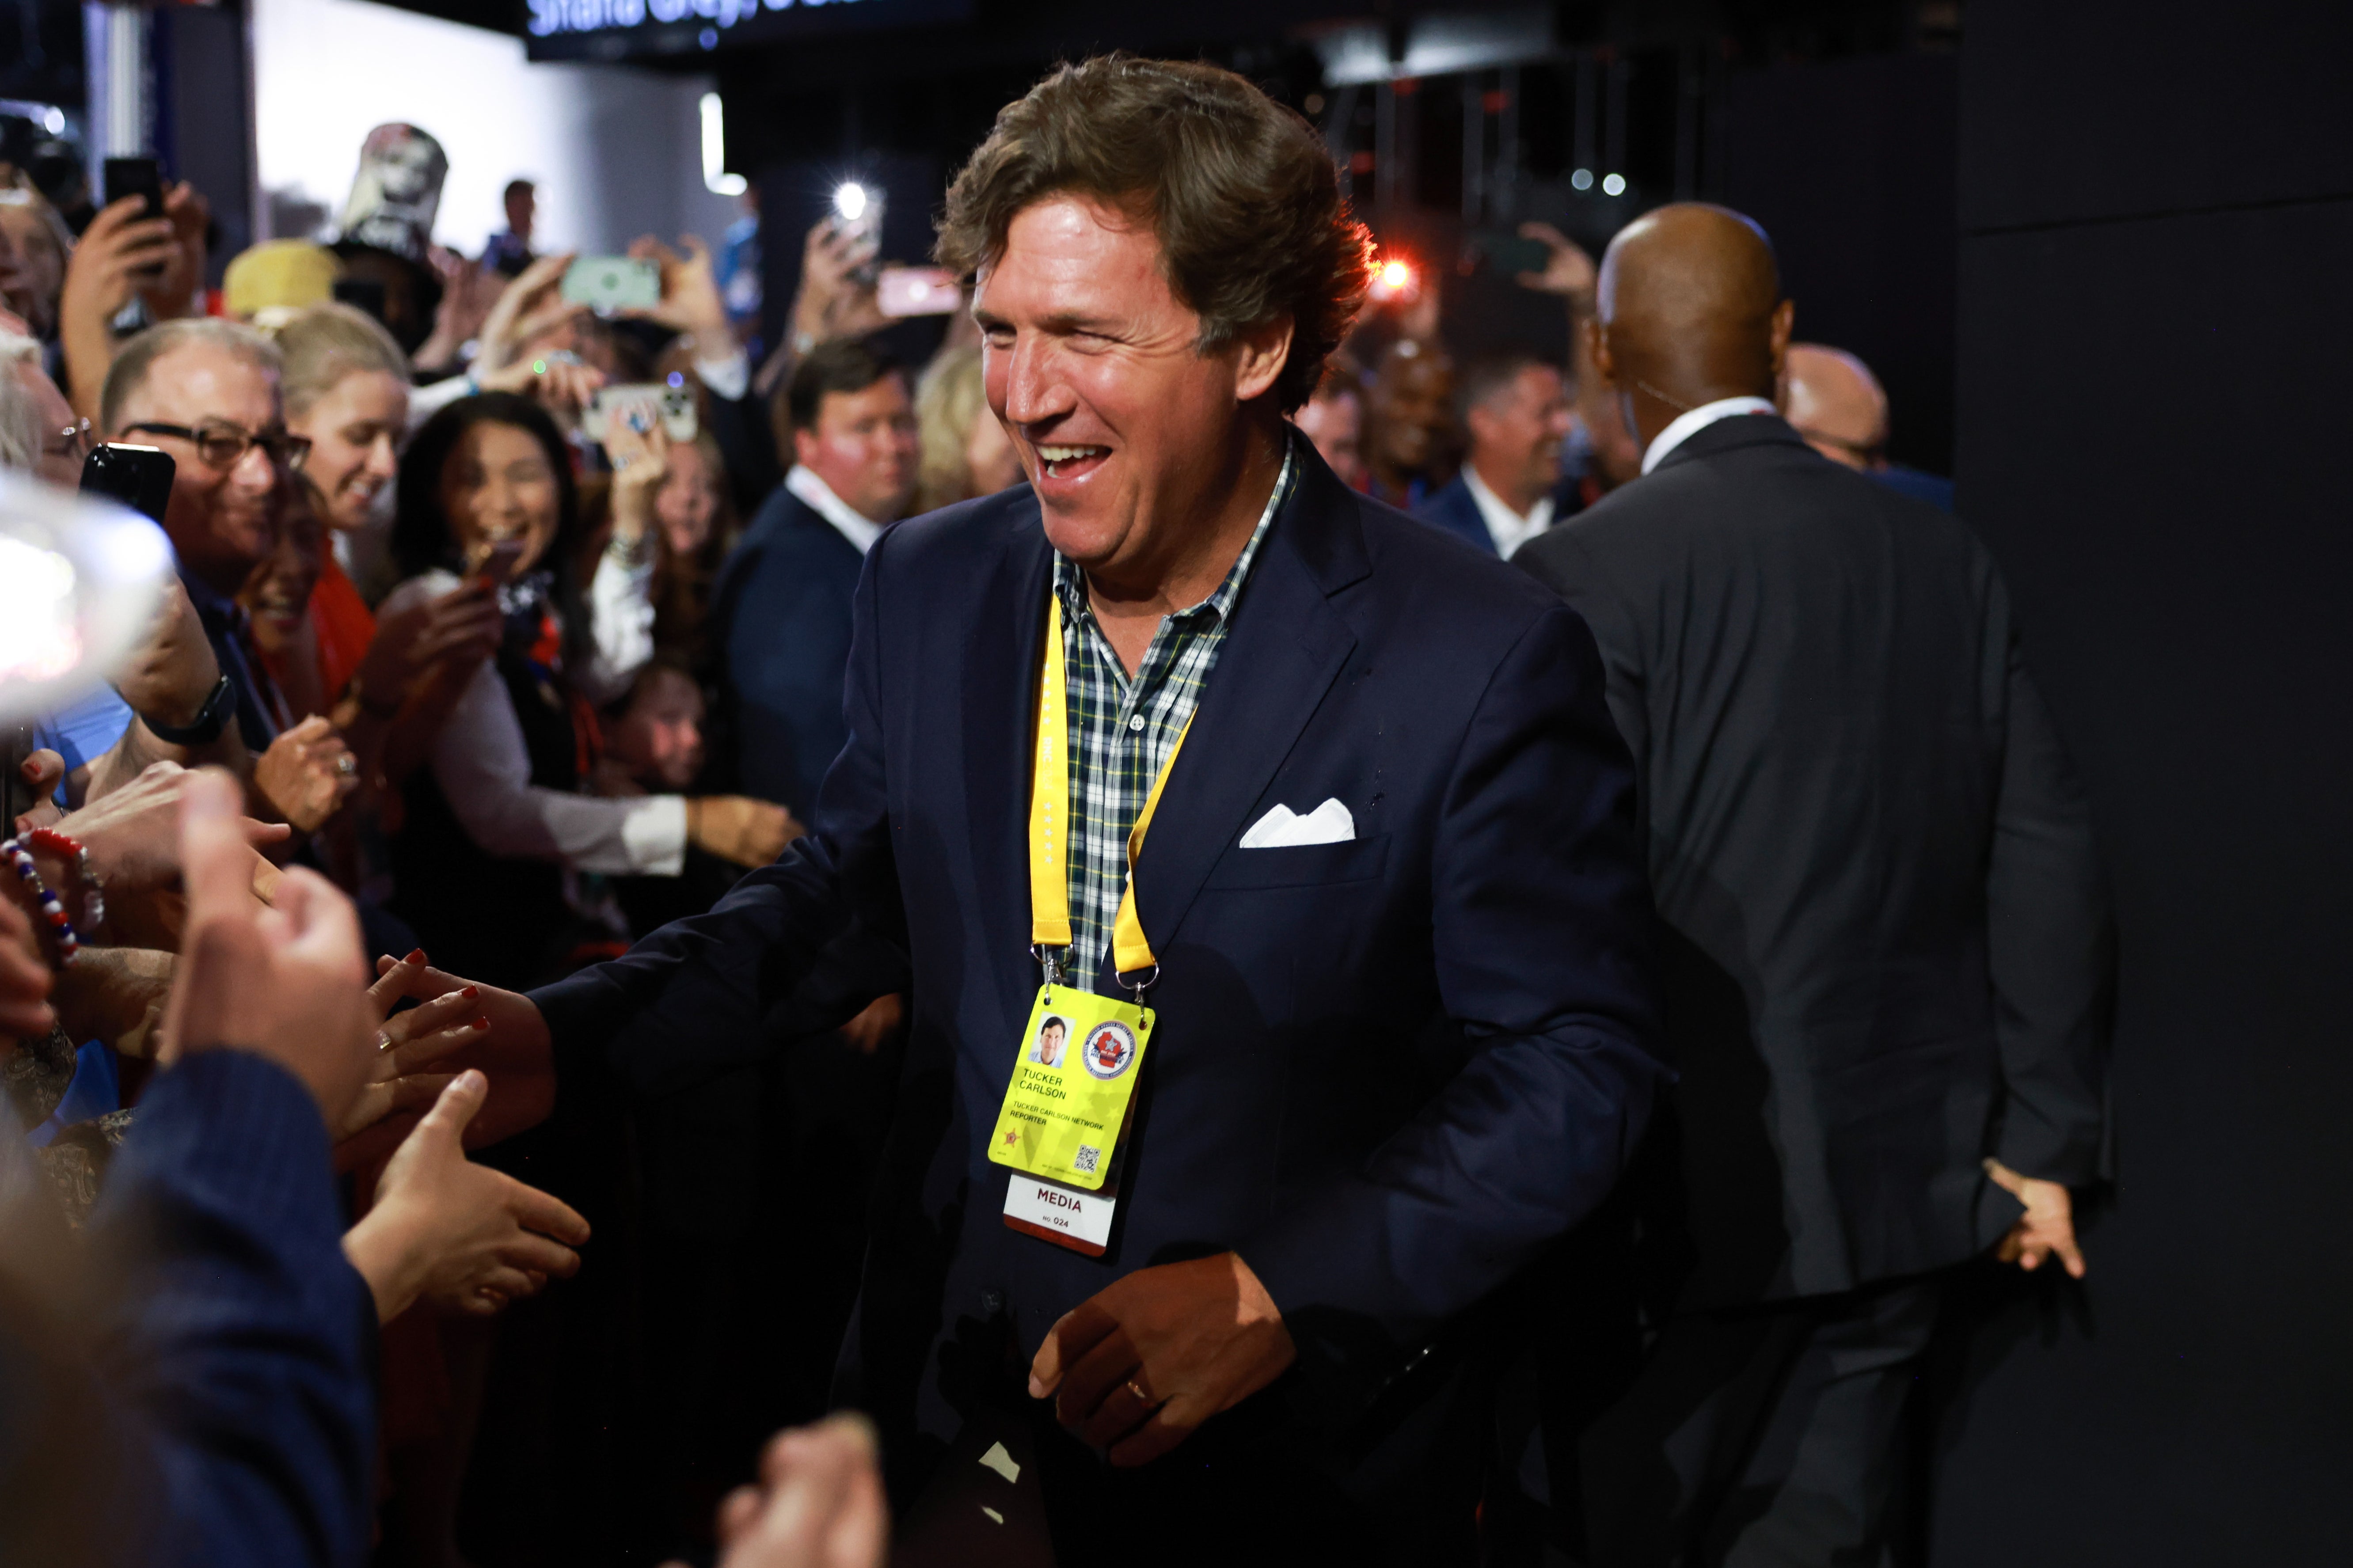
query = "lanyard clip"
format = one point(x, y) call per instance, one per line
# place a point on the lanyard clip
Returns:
point(1050, 959)
point(1140, 986)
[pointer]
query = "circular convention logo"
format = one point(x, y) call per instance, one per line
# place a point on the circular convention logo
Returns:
point(1110, 1051)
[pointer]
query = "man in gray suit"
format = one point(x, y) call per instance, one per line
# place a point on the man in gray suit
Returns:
point(1886, 947)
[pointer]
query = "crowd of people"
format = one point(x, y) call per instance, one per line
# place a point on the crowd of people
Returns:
point(586, 669)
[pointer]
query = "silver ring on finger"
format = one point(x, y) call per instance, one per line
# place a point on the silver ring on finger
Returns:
point(383, 1042)
point(347, 764)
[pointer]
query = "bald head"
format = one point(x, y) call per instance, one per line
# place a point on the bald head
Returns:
point(1832, 399)
point(1689, 311)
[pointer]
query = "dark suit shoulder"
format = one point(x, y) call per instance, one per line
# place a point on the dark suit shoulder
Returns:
point(1738, 498)
point(785, 523)
point(964, 536)
point(1458, 610)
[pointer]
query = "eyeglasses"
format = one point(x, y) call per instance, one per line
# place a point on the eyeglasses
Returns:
point(225, 446)
point(72, 443)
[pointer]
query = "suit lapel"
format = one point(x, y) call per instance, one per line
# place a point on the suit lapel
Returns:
point(1285, 647)
point(1000, 714)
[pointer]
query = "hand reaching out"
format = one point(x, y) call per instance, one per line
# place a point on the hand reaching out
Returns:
point(171, 292)
point(172, 669)
point(2047, 1228)
point(832, 301)
point(468, 290)
point(529, 306)
point(285, 983)
point(1136, 1367)
point(405, 1044)
point(306, 774)
point(1568, 271)
point(461, 1235)
point(739, 828)
point(818, 1502)
point(515, 1051)
point(134, 838)
point(640, 450)
point(119, 253)
point(461, 626)
point(689, 293)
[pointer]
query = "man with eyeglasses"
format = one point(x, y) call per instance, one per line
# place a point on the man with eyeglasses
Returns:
point(206, 391)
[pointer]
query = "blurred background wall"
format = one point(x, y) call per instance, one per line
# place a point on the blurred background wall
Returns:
point(617, 151)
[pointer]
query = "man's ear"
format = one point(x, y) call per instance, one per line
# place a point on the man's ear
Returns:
point(804, 446)
point(1785, 321)
point(1478, 423)
point(1259, 358)
point(1596, 349)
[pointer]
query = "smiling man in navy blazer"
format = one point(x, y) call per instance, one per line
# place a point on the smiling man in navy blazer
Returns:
point(1404, 1006)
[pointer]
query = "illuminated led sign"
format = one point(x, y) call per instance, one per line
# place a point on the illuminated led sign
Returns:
point(617, 29)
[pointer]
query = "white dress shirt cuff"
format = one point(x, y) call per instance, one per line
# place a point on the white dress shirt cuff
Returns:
point(654, 832)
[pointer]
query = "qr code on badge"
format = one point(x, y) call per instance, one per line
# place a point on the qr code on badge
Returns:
point(1086, 1159)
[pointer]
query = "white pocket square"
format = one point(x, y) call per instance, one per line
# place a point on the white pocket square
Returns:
point(1282, 827)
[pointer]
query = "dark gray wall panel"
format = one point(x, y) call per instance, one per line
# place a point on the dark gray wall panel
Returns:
point(2107, 108)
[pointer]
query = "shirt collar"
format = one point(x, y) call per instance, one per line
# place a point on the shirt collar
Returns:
point(1507, 528)
point(1070, 582)
point(1688, 424)
point(846, 519)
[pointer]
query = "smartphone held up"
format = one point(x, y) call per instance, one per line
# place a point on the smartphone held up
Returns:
point(609, 283)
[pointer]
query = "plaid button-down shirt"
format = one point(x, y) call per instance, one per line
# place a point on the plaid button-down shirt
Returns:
point(1122, 730)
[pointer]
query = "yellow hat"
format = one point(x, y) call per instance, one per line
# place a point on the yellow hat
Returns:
point(285, 273)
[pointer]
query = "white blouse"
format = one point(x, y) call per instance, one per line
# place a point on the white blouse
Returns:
point(484, 770)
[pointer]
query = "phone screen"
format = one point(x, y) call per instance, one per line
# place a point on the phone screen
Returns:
point(613, 283)
point(136, 177)
point(493, 561)
point(137, 477)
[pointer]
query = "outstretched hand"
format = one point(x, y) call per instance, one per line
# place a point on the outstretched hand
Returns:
point(515, 1051)
point(1136, 1367)
point(2046, 1228)
point(462, 1237)
point(1568, 271)
point(285, 983)
point(817, 1503)
point(689, 293)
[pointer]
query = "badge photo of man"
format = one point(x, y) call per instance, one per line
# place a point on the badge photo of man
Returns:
point(1047, 1051)
point(1403, 1003)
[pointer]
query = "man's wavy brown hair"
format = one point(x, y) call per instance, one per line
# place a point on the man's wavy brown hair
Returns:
point(1241, 191)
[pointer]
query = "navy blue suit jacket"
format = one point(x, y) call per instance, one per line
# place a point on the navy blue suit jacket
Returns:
point(1452, 510)
point(225, 1412)
point(780, 623)
point(1386, 1071)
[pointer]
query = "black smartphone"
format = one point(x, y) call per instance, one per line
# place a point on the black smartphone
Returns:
point(362, 293)
point(137, 477)
point(136, 177)
point(1492, 250)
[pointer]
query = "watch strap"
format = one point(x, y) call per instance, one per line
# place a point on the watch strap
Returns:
point(206, 726)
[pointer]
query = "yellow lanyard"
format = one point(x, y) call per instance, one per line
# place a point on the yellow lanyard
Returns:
point(1050, 828)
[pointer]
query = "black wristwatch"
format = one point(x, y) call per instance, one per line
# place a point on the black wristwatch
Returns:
point(205, 727)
